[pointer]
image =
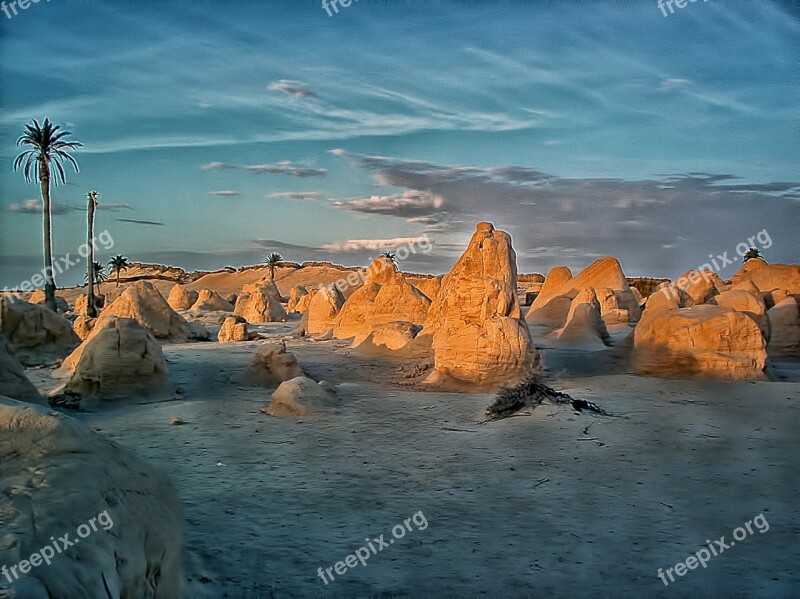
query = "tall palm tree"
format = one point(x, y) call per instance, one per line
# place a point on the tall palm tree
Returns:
point(273, 260)
point(46, 153)
point(98, 274)
point(118, 264)
point(91, 307)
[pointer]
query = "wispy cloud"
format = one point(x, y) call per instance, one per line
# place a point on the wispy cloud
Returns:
point(139, 222)
point(296, 195)
point(285, 167)
point(35, 207)
point(356, 245)
point(409, 203)
point(227, 193)
point(292, 88)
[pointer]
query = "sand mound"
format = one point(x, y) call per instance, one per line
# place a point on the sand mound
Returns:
point(210, 301)
point(58, 478)
point(299, 396)
point(182, 298)
point(36, 335)
point(699, 341)
point(13, 382)
point(478, 336)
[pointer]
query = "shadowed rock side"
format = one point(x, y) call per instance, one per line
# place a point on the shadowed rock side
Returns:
point(784, 341)
point(55, 476)
point(36, 335)
point(13, 382)
point(478, 336)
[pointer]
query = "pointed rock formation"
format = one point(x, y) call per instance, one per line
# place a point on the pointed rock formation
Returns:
point(37, 335)
point(260, 304)
point(182, 298)
point(584, 327)
point(478, 335)
point(211, 301)
point(322, 310)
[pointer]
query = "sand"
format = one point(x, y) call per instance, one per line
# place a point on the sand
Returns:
point(555, 503)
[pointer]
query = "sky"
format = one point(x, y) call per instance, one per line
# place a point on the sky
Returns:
point(217, 132)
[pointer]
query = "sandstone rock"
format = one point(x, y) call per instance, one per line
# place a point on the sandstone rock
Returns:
point(552, 315)
point(394, 335)
point(705, 341)
point(304, 302)
point(13, 381)
point(231, 298)
point(120, 358)
point(271, 365)
point(83, 326)
point(322, 310)
point(699, 286)
point(182, 298)
point(748, 303)
point(82, 302)
point(770, 276)
point(478, 335)
point(300, 396)
point(430, 287)
point(260, 304)
point(210, 301)
point(611, 308)
point(56, 476)
point(555, 280)
point(784, 341)
point(38, 297)
point(584, 327)
point(36, 335)
point(295, 295)
point(637, 296)
point(233, 330)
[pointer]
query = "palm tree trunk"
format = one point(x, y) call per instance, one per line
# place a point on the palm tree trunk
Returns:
point(49, 281)
point(118, 277)
point(91, 309)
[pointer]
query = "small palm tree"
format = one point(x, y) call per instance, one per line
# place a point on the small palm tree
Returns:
point(390, 256)
point(751, 253)
point(98, 273)
point(273, 260)
point(118, 264)
point(47, 153)
point(91, 304)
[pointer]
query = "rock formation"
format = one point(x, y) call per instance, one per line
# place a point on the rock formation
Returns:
point(83, 326)
point(702, 341)
point(271, 365)
point(768, 277)
point(182, 298)
point(233, 329)
point(260, 304)
point(38, 297)
point(430, 287)
point(584, 326)
point(82, 302)
point(120, 358)
point(322, 310)
point(211, 301)
point(36, 335)
point(300, 396)
point(145, 304)
point(13, 382)
point(478, 335)
point(55, 475)
point(394, 335)
point(784, 341)
point(746, 302)
point(295, 295)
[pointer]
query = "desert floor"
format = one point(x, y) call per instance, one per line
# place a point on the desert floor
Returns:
point(556, 503)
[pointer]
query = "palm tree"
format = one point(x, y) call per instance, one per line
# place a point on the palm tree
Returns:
point(752, 253)
point(273, 260)
point(118, 264)
point(391, 256)
point(98, 274)
point(91, 307)
point(47, 152)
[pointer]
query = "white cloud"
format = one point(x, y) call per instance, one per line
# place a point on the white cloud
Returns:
point(355, 245)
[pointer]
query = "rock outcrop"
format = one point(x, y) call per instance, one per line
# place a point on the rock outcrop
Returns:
point(768, 277)
point(260, 304)
point(83, 326)
point(145, 304)
point(430, 287)
point(119, 359)
point(233, 329)
point(584, 326)
point(300, 396)
point(38, 297)
point(297, 293)
point(82, 302)
point(55, 477)
point(746, 302)
point(182, 298)
point(699, 341)
point(13, 381)
point(322, 310)
point(211, 301)
point(37, 335)
point(271, 365)
point(784, 341)
point(478, 336)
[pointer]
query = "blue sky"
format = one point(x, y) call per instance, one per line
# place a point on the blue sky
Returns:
point(218, 131)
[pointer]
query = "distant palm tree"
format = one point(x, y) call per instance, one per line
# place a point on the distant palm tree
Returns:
point(91, 304)
point(751, 253)
point(118, 264)
point(98, 274)
point(273, 260)
point(47, 152)
point(391, 256)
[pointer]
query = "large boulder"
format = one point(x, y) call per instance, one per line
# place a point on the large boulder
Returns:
point(747, 302)
point(699, 286)
point(784, 341)
point(699, 341)
point(322, 310)
point(124, 517)
point(271, 365)
point(119, 359)
point(768, 277)
point(145, 304)
point(233, 329)
point(584, 326)
point(478, 336)
point(211, 301)
point(300, 396)
point(37, 335)
point(182, 298)
point(13, 382)
point(386, 296)
point(260, 304)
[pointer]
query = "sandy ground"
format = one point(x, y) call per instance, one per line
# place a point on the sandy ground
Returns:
point(555, 503)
